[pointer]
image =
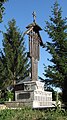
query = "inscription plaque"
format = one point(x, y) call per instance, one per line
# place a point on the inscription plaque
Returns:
point(23, 96)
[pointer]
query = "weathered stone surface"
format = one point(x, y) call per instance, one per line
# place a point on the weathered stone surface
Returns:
point(18, 104)
point(34, 45)
point(23, 95)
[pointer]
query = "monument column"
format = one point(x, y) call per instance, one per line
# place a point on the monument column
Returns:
point(34, 69)
point(34, 45)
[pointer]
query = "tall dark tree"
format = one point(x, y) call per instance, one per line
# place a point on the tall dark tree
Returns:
point(2, 69)
point(14, 58)
point(2, 9)
point(1, 55)
point(56, 73)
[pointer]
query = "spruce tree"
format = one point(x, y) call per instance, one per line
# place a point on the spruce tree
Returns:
point(56, 28)
point(2, 69)
point(15, 58)
point(2, 9)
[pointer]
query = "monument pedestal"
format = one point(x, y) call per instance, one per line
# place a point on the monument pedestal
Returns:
point(42, 99)
point(34, 93)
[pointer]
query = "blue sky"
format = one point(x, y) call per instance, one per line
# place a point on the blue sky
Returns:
point(21, 11)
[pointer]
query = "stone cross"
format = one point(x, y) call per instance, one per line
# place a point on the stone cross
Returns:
point(34, 45)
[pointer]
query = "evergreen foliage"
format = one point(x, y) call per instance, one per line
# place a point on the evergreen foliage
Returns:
point(14, 61)
point(2, 69)
point(2, 9)
point(56, 28)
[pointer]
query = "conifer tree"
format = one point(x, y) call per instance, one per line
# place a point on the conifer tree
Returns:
point(1, 55)
point(2, 69)
point(56, 28)
point(15, 61)
point(2, 9)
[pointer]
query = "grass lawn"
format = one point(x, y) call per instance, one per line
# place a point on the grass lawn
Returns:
point(28, 114)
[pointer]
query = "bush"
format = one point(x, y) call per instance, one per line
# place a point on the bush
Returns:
point(9, 95)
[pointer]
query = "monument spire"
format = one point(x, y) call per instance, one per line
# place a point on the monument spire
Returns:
point(34, 16)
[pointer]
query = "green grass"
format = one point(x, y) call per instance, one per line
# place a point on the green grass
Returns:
point(28, 114)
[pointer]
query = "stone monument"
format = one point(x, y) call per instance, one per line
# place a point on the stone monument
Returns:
point(30, 89)
point(35, 42)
